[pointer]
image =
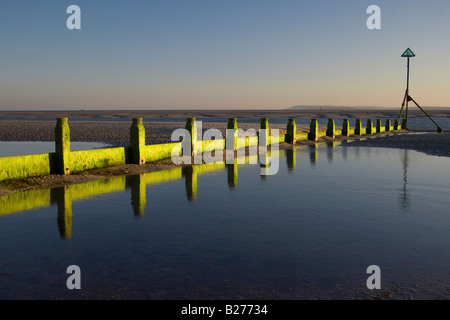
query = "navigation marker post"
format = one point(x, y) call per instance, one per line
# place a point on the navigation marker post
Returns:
point(409, 54)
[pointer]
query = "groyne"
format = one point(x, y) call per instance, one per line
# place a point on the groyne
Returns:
point(64, 161)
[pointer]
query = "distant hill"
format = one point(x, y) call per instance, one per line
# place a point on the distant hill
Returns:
point(328, 107)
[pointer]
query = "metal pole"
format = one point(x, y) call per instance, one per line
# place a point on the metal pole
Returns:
point(403, 106)
point(438, 127)
point(407, 91)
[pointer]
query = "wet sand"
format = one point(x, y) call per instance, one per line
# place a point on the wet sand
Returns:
point(308, 113)
point(436, 144)
point(116, 133)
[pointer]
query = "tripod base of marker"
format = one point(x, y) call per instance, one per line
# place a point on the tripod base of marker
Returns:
point(439, 129)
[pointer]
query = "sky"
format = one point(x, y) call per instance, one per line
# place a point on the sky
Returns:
point(221, 54)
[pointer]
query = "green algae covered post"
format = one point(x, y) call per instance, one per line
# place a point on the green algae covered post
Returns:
point(331, 127)
point(264, 126)
point(191, 127)
point(405, 124)
point(396, 125)
point(62, 146)
point(358, 127)
point(378, 125)
point(137, 141)
point(346, 128)
point(232, 125)
point(291, 131)
point(388, 125)
point(313, 130)
point(369, 128)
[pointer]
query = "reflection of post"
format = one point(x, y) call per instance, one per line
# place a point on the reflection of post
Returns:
point(405, 179)
point(64, 205)
point(232, 174)
point(138, 194)
point(330, 151)
point(290, 159)
point(313, 154)
point(190, 175)
point(344, 152)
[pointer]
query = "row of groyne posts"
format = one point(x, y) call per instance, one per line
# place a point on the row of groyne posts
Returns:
point(64, 161)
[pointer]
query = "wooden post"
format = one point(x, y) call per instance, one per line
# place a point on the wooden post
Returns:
point(388, 125)
point(313, 130)
point(291, 131)
point(331, 128)
point(62, 146)
point(232, 125)
point(265, 139)
point(369, 129)
point(405, 124)
point(191, 127)
point(378, 125)
point(358, 127)
point(346, 128)
point(137, 141)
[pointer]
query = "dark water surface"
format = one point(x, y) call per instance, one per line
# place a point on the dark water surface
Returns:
point(226, 232)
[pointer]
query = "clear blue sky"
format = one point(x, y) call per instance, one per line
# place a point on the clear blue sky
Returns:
point(221, 54)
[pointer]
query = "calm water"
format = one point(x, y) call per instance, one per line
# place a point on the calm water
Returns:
point(19, 148)
point(225, 232)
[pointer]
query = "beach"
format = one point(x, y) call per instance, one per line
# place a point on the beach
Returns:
point(113, 128)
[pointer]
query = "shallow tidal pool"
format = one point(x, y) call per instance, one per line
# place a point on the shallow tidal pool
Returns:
point(226, 232)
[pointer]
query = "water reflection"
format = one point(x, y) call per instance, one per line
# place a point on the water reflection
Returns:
point(291, 157)
point(63, 197)
point(190, 178)
point(138, 194)
point(313, 154)
point(232, 175)
point(64, 205)
point(404, 195)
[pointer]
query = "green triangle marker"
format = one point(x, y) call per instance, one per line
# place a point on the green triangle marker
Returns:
point(408, 53)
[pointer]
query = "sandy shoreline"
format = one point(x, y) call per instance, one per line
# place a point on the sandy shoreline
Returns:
point(116, 133)
point(161, 115)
